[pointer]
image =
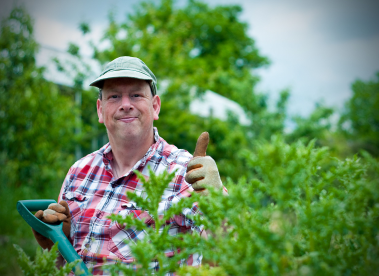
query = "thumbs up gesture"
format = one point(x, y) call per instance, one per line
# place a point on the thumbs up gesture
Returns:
point(202, 171)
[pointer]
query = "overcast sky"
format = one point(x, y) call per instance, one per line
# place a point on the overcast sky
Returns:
point(317, 48)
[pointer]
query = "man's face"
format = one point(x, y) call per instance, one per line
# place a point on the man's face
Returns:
point(128, 108)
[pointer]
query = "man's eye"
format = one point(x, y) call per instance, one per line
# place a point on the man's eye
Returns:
point(113, 96)
point(136, 95)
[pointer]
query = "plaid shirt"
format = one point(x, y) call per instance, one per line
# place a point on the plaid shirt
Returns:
point(93, 193)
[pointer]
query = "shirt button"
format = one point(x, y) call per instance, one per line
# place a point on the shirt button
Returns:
point(127, 205)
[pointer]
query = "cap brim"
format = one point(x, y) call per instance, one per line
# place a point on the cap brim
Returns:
point(120, 74)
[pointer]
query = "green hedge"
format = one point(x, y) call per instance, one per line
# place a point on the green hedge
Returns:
point(304, 213)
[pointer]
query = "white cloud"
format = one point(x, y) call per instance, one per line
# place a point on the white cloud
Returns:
point(53, 33)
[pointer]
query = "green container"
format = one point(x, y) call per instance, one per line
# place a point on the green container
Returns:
point(51, 231)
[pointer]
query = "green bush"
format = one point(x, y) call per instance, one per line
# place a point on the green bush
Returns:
point(44, 263)
point(304, 213)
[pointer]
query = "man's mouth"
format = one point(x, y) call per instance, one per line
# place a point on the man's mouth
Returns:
point(127, 119)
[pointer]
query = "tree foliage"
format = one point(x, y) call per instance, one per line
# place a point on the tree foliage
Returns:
point(317, 125)
point(362, 115)
point(36, 131)
point(192, 46)
point(36, 120)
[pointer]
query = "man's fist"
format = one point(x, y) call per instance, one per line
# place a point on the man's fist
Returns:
point(55, 213)
point(202, 170)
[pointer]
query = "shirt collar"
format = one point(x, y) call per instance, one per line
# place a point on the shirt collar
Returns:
point(108, 155)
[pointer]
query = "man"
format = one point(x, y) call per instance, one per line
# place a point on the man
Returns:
point(96, 185)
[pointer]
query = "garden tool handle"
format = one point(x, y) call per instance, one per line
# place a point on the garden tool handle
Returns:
point(52, 231)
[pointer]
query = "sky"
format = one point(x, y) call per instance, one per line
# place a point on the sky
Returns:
point(317, 48)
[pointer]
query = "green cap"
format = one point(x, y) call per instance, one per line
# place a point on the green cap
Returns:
point(127, 67)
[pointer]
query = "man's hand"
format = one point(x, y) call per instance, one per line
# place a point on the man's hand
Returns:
point(202, 170)
point(55, 213)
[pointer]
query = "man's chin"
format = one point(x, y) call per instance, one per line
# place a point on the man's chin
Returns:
point(132, 134)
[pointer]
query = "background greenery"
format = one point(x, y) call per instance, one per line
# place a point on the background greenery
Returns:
point(43, 126)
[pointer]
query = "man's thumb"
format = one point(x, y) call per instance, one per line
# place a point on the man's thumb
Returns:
point(201, 145)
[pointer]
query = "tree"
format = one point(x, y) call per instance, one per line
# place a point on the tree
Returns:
point(362, 116)
point(192, 49)
point(193, 46)
point(317, 125)
point(36, 130)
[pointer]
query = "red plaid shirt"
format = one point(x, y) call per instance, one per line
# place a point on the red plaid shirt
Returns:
point(93, 193)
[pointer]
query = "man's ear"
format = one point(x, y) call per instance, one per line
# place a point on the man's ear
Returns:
point(156, 106)
point(100, 111)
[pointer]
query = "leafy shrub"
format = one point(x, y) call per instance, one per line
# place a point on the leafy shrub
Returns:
point(304, 213)
point(44, 263)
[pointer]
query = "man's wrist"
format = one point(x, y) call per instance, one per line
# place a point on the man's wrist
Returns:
point(60, 261)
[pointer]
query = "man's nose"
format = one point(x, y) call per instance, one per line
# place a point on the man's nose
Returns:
point(126, 103)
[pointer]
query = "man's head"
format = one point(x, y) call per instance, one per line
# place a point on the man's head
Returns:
point(128, 104)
